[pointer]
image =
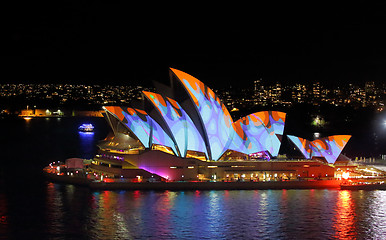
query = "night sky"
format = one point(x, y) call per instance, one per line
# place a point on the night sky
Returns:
point(221, 45)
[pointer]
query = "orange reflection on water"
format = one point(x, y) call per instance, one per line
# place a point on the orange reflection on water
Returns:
point(344, 219)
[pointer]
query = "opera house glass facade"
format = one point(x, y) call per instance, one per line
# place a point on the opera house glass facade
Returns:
point(186, 124)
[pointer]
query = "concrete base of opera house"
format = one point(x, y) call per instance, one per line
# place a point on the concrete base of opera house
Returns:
point(173, 168)
point(100, 185)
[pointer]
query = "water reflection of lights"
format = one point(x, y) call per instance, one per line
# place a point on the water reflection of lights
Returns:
point(214, 204)
point(55, 213)
point(377, 214)
point(344, 219)
point(110, 216)
point(137, 194)
point(215, 212)
point(257, 214)
point(87, 144)
point(85, 133)
point(197, 193)
point(3, 216)
point(164, 212)
point(263, 208)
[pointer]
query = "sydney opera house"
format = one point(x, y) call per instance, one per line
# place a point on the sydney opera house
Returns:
point(185, 132)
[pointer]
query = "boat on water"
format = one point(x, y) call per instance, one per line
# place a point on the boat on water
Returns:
point(86, 127)
point(381, 185)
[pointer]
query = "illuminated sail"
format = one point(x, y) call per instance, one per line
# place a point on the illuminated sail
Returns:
point(214, 116)
point(328, 147)
point(200, 122)
point(143, 126)
point(178, 122)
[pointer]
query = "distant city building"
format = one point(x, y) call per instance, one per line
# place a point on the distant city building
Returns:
point(261, 93)
point(70, 94)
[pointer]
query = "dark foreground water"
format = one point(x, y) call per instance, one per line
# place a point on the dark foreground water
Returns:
point(60, 212)
point(32, 208)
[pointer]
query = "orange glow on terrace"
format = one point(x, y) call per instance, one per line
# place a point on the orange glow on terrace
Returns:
point(108, 180)
point(345, 175)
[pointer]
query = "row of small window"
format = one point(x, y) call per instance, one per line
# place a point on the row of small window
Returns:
point(179, 167)
point(110, 157)
point(109, 165)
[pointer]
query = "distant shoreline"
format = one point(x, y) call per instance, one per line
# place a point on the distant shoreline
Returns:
point(44, 113)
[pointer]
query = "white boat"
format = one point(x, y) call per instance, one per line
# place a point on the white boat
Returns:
point(86, 127)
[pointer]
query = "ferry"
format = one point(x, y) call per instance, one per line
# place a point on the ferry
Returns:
point(86, 127)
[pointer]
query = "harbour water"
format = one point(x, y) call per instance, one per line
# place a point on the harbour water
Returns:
point(32, 208)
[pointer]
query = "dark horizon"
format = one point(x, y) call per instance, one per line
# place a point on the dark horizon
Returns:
point(107, 43)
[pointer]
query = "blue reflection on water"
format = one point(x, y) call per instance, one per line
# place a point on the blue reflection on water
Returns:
point(86, 134)
point(86, 143)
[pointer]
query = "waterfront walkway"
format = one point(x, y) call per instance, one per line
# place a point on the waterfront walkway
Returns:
point(121, 184)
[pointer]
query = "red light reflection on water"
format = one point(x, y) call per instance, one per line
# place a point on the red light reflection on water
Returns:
point(197, 193)
point(106, 195)
point(163, 212)
point(166, 202)
point(51, 196)
point(226, 193)
point(284, 193)
point(3, 216)
point(137, 194)
point(344, 219)
point(107, 216)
